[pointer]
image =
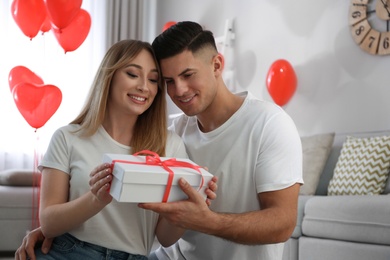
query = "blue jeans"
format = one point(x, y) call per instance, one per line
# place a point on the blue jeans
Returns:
point(153, 256)
point(68, 247)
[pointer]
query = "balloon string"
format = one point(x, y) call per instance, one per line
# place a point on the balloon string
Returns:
point(36, 187)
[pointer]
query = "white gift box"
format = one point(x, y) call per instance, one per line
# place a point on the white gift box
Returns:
point(136, 181)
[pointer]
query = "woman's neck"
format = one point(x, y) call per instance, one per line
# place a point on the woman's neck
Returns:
point(120, 128)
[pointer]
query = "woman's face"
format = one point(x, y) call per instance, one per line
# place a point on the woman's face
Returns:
point(134, 87)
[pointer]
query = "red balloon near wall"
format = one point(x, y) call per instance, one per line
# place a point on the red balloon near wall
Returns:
point(37, 104)
point(281, 81)
point(62, 12)
point(46, 25)
point(71, 37)
point(29, 15)
point(21, 74)
point(168, 24)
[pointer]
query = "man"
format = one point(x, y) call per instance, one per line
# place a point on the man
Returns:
point(251, 145)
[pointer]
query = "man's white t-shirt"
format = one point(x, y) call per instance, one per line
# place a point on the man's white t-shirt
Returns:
point(119, 226)
point(257, 150)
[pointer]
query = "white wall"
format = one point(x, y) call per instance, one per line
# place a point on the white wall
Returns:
point(340, 87)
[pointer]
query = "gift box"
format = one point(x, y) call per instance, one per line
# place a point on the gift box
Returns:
point(150, 178)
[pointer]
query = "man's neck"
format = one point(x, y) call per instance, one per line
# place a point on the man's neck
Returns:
point(222, 108)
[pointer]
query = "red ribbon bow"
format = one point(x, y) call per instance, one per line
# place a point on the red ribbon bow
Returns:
point(153, 158)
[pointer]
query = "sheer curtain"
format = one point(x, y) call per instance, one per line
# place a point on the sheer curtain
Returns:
point(72, 73)
point(134, 19)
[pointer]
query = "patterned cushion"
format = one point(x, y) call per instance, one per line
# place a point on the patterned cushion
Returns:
point(362, 168)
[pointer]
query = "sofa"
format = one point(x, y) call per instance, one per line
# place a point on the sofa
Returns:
point(328, 226)
point(18, 199)
point(339, 226)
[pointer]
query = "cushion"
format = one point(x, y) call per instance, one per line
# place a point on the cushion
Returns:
point(18, 177)
point(316, 150)
point(387, 188)
point(362, 167)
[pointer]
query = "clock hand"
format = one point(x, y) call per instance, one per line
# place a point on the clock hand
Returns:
point(386, 6)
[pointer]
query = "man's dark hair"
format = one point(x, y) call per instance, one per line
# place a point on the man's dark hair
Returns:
point(182, 36)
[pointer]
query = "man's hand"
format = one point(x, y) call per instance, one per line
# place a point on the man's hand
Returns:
point(189, 213)
point(32, 239)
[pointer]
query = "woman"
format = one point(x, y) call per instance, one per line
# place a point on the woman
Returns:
point(124, 113)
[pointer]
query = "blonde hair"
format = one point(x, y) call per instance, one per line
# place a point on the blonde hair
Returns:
point(150, 131)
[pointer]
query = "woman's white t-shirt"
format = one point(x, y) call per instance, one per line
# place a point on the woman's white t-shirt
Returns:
point(119, 226)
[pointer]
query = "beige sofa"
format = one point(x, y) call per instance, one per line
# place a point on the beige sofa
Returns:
point(18, 199)
point(345, 227)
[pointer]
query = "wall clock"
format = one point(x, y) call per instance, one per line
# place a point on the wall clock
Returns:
point(369, 21)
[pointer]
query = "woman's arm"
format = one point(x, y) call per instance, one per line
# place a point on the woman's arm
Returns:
point(58, 215)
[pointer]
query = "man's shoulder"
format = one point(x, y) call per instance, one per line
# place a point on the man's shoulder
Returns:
point(258, 110)
point(181, 122)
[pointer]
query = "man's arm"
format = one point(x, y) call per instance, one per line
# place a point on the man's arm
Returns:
point(30, 241)
point(167, 233)
point(274, 223)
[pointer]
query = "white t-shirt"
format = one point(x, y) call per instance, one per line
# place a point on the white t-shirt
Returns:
point(257, 150)
point(119, 226)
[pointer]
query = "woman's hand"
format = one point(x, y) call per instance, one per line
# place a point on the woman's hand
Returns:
point(211, 190)
point(100, 182)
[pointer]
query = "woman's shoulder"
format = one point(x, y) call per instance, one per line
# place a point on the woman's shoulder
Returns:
point(69, 128)
point(66, 131)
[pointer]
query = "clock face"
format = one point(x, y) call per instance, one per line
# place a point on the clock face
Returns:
point(370, 25)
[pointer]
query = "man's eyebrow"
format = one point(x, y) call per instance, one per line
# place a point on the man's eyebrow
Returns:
point(181, 74)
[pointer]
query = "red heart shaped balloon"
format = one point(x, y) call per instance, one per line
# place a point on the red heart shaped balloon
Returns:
point(37, 104)
point(21, 74)
point(281, 81)
point(62, 12)
point(29, 15)
point(71, 37)
point(168, 24)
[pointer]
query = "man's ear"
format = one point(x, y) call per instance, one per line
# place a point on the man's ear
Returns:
point(218, 63)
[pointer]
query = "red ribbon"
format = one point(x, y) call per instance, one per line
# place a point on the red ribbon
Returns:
point(153, 158)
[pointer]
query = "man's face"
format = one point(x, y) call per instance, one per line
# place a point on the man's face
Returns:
point(190, 80)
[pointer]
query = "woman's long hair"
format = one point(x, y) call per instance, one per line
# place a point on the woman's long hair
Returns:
point(150, 131)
